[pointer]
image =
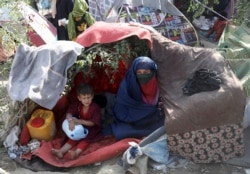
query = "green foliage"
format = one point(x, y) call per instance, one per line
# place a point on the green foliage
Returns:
point(241, 8)
point(197, 9)
point(243, 12)
point(13, 31)
point(4, 98)
point(108, 55)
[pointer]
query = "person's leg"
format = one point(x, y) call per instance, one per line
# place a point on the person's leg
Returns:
point(75, 153)
point(81, 146)
point(60, 152)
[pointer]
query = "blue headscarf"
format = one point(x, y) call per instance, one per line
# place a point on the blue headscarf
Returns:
point(129, 90)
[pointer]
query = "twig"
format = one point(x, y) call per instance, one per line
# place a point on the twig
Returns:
point(212, 10)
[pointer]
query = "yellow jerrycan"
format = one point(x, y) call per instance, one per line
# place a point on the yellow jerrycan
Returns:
point(42, 125)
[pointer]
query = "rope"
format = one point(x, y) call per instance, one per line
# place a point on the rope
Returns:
point(18, 118)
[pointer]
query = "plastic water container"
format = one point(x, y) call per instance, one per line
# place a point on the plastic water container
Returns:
point(42, 125)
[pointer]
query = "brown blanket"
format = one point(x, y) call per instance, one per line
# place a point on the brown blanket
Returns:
point(178, 63)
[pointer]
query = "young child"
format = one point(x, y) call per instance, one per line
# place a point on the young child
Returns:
point(86, 113)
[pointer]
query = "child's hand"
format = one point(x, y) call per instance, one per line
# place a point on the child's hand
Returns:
point(76, 121)
point(71, 125)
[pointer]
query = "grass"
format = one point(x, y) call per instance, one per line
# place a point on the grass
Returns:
point(4, 97)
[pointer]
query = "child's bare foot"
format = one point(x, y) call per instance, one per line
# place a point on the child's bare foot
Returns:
point(73, 154)
point(57, 153)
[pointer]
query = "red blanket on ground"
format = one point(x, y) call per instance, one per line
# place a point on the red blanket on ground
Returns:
point(104, 148)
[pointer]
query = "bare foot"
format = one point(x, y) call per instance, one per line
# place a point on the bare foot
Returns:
point(57, 153)
point(73, 154)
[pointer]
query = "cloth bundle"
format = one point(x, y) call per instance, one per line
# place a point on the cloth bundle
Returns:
point(203, 80)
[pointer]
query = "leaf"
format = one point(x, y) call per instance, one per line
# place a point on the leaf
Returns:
point(109, 55)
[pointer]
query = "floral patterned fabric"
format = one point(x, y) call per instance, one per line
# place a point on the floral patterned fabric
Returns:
point(211, 145)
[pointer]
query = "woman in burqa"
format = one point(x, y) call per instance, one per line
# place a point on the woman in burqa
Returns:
point(137, 109)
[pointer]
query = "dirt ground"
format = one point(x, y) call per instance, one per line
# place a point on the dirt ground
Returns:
point(9, 166)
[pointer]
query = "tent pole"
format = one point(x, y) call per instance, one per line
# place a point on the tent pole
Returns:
point(212, 10)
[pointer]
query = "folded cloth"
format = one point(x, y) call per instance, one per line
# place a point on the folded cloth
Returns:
point(130, 155)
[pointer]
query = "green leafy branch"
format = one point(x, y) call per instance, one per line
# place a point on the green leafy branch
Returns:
point(243, 12)
point(199, 8)
point(13, 31)
point(108, 55)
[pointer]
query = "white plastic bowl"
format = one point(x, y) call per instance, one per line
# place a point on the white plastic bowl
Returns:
point(78, 133)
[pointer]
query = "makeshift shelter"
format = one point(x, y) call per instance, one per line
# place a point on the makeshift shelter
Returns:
point(193, 122)
point(197, 86)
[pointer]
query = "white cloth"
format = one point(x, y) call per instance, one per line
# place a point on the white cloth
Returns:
point(40, 73)
point(12, 138)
